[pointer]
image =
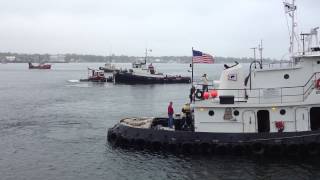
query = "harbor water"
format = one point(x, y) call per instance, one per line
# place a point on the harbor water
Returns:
point(54, 127)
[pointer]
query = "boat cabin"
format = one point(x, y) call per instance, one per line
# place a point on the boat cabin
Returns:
point(139, 65)
point(277, 97)
point(151, 69)
point(95, 73)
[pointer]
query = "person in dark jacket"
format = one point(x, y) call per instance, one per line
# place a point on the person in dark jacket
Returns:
point(170, 115)
point(192, 94)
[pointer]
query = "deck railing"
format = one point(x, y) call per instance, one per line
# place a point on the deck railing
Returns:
point(280, 64)
point(273, 95)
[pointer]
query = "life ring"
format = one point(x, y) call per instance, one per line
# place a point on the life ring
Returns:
point(199, 94)
point(317, 84)
point(279, 125)
point(257, 149)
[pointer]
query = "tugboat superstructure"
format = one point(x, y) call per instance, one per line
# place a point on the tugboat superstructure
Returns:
point(286, 93)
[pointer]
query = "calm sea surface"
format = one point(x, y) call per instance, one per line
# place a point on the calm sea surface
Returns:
point(54, 128)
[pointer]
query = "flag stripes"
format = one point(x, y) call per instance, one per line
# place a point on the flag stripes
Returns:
point(199, 57)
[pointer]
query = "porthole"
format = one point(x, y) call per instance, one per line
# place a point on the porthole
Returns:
point(282, 111)
point(286, 76)
point(318, 62)
point(211, 113)
point(236, 113)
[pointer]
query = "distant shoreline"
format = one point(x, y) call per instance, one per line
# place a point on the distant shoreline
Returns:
point(78, 58)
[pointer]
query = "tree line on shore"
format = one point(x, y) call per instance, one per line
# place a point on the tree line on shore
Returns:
point(66, 58)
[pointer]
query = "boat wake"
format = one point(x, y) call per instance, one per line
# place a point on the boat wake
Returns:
point(73, 80)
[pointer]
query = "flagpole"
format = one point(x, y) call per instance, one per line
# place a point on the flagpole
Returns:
point(292, 33)
point(192, 68)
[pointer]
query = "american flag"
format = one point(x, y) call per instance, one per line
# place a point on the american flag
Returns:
point(200, 57)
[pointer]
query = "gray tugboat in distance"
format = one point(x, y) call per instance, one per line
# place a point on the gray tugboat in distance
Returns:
point(141, 74)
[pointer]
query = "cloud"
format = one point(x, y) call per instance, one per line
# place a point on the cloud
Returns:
point(223, 28)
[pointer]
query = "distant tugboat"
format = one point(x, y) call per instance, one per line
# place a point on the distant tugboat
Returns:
point(95, 76)
point(141, 74)
point(108, 68)
point(39, 66)
point(272, 110)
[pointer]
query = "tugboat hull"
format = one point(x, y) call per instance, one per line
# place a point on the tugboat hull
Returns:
point(93, 80)
point(40, 66)
point(129, 78)
point(285, 143)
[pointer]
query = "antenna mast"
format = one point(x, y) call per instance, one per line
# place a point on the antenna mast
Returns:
point(145, 58)
point(290, 10)
point(260, 50)
point(293, 26)
point(254, 56)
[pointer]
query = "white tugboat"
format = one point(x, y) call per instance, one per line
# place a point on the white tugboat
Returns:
point(273, 109)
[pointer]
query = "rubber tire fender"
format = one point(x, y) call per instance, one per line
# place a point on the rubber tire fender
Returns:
point(221, 149)
point(292, 149)
point(313, 149)
point(187, 148)
point(276, 149)
point(257, 148)
point(238, 149)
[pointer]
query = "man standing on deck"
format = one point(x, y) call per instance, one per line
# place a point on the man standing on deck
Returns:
point(170, 115)
point(192, 94)
point(205, 83)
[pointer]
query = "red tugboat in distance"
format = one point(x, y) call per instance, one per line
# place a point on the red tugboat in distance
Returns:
point(40, 66)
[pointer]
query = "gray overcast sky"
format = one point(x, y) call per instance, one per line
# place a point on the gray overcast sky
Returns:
point(168, 27)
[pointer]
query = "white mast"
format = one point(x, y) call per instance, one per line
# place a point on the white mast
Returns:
point(254, 57)
point(260, 50)
point(290, 10)
point(293, 26)
point(146, 55)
